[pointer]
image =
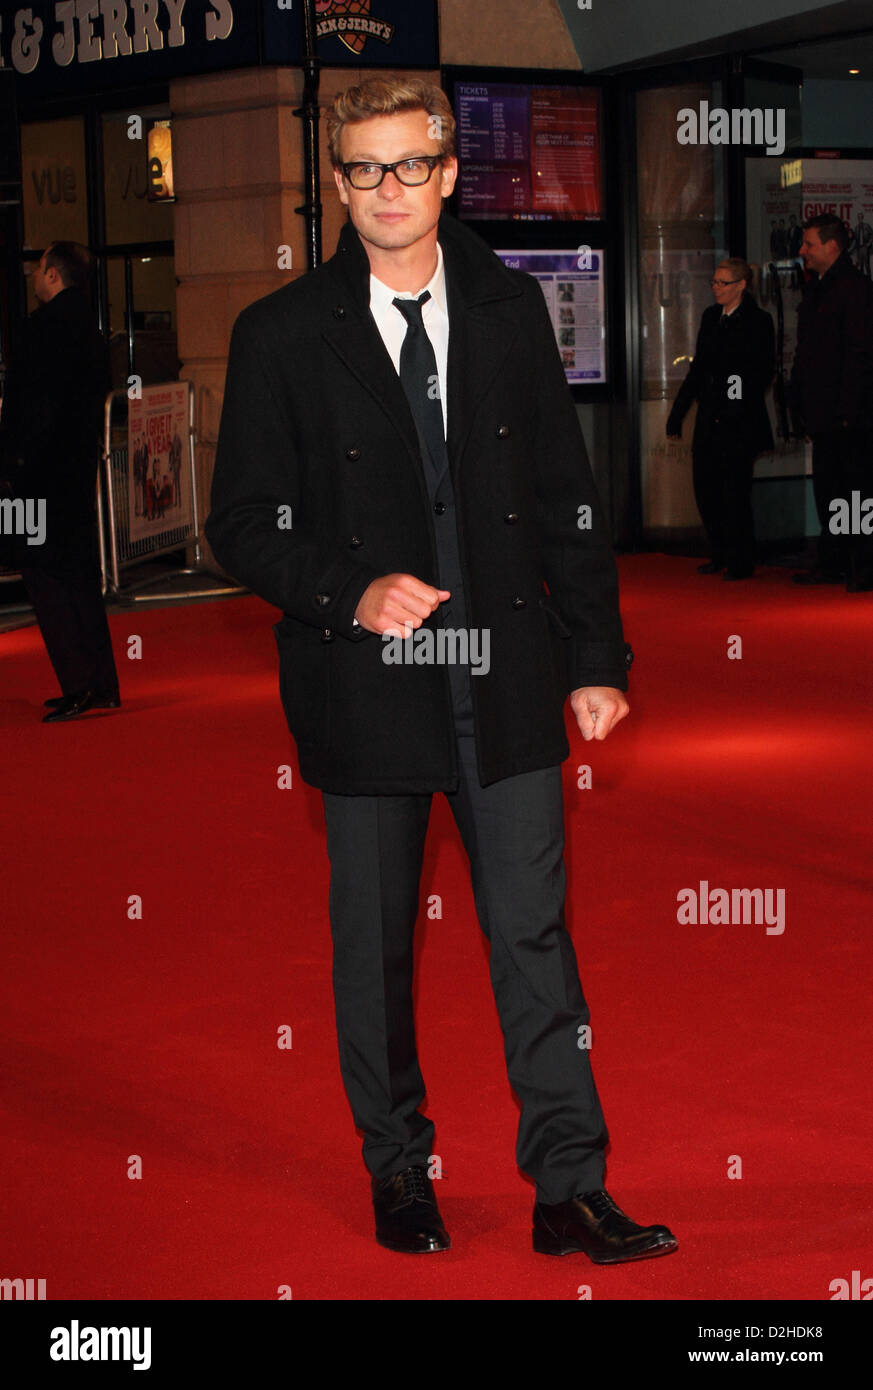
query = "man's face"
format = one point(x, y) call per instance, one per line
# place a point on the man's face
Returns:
point(394, 216)
point(817, 255)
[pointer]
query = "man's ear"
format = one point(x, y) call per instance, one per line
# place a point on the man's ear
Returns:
point(339, 179)
point(448, 175)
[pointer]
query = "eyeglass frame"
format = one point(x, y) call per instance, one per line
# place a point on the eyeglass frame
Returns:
point(722, 283)
point(431, 160)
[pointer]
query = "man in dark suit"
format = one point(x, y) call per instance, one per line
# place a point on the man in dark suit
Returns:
point(407, 403)
point(732, 367)
point(832, 392)
point(50, 432)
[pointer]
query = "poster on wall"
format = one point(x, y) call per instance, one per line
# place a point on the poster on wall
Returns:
point(843, 187)
point(158, 482)
point(573, 286)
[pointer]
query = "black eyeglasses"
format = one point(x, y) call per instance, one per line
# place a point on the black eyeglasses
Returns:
point(411, 172)
point(726, 282)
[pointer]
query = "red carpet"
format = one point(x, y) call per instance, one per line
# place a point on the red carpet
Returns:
point(158, 1037)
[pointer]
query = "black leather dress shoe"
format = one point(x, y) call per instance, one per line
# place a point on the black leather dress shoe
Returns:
point(70, 707)
point(709, 568)
point(593, 1223)
point(407, 1216)
point(108, 700)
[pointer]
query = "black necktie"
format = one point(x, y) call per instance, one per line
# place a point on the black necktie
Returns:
point(420, 380)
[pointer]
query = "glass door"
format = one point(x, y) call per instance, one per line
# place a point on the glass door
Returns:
point(681, 199)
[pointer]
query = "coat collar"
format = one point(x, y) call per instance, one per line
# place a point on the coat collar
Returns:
point(68, 304)
point(483, 326)
point(477, 275)
point(745, 305)
point(841, 266)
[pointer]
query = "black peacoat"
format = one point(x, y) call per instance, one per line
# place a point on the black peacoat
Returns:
point(832, 374)
point(744, 347)
point(51, 427)
point(315, 419)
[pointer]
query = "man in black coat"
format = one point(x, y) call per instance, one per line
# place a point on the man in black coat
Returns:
point(732, 367)
point(832, 392)
point(50, 431)
point(418, 502)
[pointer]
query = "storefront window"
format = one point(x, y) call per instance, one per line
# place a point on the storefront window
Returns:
point(130, 215)
point(54, 188)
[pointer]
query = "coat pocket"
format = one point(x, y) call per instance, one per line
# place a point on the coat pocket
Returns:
point(554, 617)
point(558, 634)
point(304, 682)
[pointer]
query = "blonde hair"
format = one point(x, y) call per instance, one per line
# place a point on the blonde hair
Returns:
point(740, 269)
point(386, 96)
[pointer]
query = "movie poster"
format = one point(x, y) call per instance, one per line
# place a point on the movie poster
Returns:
point(843, 187)
point(159, 479)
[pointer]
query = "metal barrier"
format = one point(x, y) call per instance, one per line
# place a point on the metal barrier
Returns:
point(149, 506)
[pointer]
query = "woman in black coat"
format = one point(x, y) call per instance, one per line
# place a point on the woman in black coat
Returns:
point(733, 366)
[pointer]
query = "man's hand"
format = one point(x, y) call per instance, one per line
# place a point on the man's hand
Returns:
point(397, 602)
point(598, 708)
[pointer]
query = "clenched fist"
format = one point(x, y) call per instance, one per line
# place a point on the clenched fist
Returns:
point(598, 708)
point(397, 603)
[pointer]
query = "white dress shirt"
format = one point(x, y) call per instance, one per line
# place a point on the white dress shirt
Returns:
point(435, 316)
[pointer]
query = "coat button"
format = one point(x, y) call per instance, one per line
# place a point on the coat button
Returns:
point(339, 312)
point(519, 603)
point(439, 508)
point(322, 599)
point(353, 454)
point(503, 431)
point(511, 518)
point(355, 543)
point(327, 635)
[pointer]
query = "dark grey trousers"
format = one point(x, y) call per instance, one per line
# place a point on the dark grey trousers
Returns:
point(513, 833)
point(71, 614)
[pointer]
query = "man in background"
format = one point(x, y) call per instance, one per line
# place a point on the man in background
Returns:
point(832, 390)
point(831, 387)
point(50, 432)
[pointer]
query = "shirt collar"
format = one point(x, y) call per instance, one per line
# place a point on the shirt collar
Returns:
point(381, 297)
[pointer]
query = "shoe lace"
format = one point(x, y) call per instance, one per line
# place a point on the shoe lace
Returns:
point(415, 1187)
point(602, 1204)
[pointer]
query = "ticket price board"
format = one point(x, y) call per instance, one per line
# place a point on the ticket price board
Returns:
point(529, 151)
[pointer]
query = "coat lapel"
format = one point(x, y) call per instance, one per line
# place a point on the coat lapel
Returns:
point(480, 338)
point(483, 328)
point(350, 330)
point(482, 332)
